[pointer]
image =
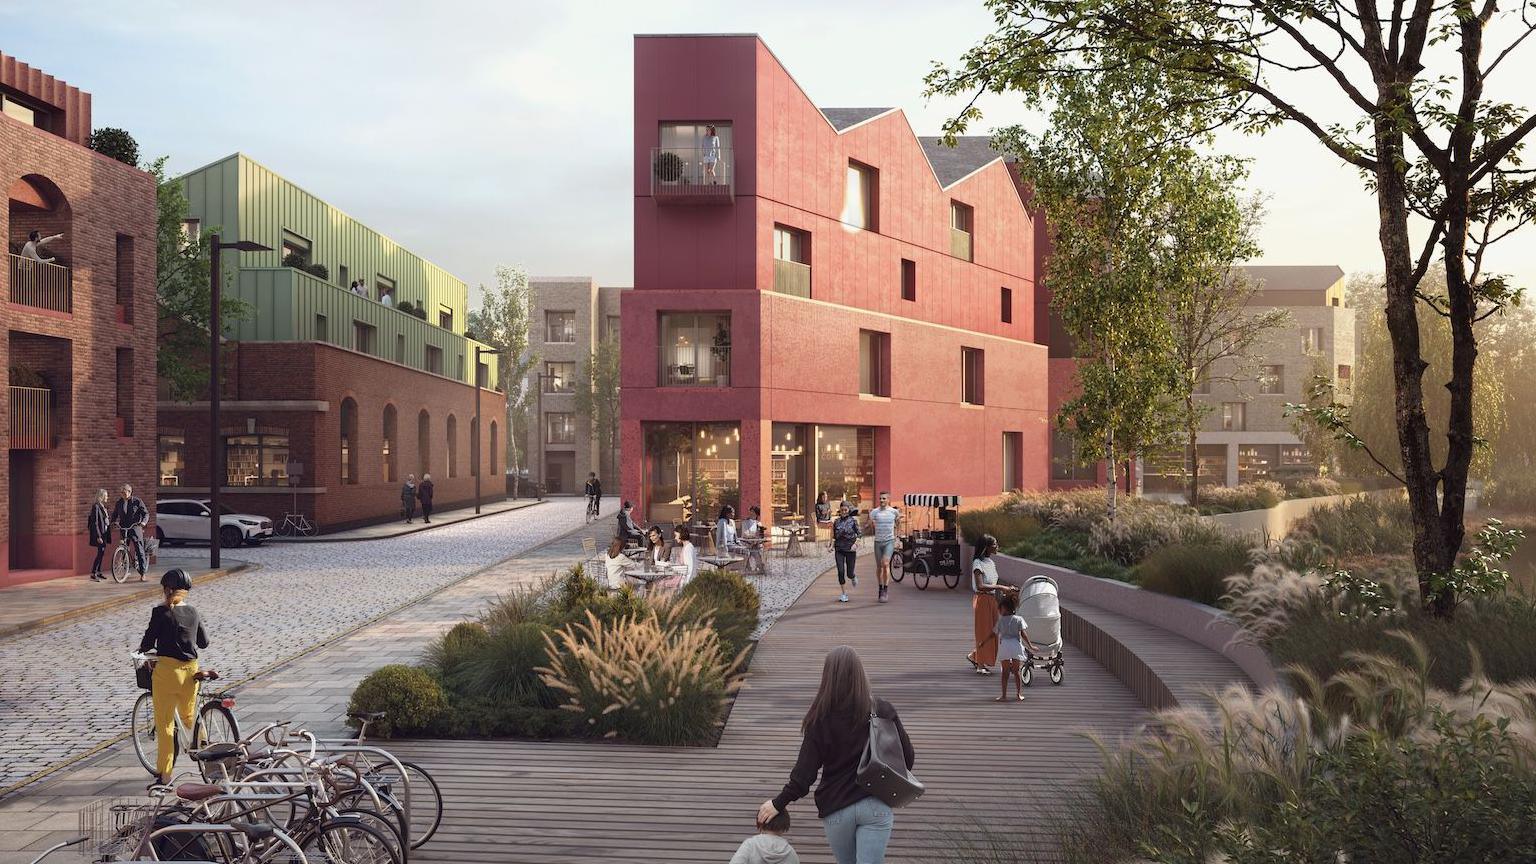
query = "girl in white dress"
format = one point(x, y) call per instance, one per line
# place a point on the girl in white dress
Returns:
point(1011, 640)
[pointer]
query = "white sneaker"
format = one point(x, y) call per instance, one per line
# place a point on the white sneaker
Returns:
point(854, 580)
point(842, 598)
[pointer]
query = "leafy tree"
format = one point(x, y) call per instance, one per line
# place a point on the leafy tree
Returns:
point(183, 293)
point(116, 143)
point(597, 398)
point(1440, 153)
point(502, 321)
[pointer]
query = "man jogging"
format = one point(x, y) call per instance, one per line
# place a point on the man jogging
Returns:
point(884, 518)
point(130, 516)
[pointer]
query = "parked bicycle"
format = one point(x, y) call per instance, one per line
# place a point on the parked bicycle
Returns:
point(297, 525)
point(214, 722)
point(122, 557)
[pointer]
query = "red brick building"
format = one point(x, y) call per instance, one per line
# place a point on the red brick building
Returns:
point(77, 336)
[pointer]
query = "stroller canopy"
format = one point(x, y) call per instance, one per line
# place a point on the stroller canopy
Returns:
point(925, 499)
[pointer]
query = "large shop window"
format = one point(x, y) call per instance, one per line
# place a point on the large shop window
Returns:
point(256, 460)
point(805, 460)
point(691, 469)
point(695, 349)
point(1257, 462)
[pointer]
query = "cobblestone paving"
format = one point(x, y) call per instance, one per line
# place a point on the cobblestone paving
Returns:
point(65, 691)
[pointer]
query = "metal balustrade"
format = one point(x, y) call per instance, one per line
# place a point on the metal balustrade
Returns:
point(693, 175)
point(31, 418)
point(40, 284)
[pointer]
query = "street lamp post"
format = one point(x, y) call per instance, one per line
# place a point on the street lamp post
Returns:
point(479, 437)
point(215, 334)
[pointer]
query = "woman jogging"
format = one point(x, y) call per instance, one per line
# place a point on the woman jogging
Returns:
point(175, 633)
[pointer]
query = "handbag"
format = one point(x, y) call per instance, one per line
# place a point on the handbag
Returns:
point(883, 771)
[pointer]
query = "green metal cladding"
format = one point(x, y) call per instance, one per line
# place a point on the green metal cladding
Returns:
point(248, 201)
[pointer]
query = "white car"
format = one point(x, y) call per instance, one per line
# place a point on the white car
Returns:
point(182, 520)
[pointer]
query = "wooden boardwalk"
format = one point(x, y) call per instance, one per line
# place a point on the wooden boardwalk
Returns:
point(519, 801)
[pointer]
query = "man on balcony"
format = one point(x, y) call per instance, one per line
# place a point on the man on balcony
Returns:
point(35, 242)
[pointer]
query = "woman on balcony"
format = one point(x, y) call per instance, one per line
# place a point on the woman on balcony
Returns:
point(35, 242)
point(711, 155)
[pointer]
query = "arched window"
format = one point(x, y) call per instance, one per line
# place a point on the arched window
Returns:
point(453, 446)
point(495, 451)
point(391, 435)
point(424, 442)
point(348, 442)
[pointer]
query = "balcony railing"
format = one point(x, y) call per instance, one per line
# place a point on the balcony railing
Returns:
point(710, 368)
point(960, 244)
point(791, 277)
point(40, 284)
point(31, 418)
point(692, 175)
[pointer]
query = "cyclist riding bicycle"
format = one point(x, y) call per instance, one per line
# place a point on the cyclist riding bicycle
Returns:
point(130, 516)
point(594, 492)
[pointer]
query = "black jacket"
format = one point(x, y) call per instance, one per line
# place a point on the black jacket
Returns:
point(129, 514)
point(834, 750)
point(424, 493)
point(99, 525)
point(594, 487)
point(174, 631)
point(628, 528)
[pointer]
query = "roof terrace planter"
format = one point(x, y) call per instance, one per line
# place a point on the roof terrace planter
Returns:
point(41, 285)
point(689, 175)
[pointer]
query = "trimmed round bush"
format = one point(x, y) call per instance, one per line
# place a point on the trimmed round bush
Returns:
point(411, 699)
point(730, 600)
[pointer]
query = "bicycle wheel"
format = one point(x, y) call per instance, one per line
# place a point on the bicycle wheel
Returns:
point(215, 725)
point(142, 724)
point(385, 826)
point(308, 528)
point(349, 841)
point(120, 565)
point(359, 800)
point(288, 528)
point(426, 804)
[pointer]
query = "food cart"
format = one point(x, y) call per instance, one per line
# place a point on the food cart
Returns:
point(932, 549)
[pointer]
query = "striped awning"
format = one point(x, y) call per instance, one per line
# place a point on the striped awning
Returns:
point(924, 499)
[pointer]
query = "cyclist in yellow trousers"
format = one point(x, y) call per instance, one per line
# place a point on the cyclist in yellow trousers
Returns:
point(175, 632)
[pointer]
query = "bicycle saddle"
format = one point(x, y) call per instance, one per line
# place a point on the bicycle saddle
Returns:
point(214, 752)
point(198, 791)
point(367, 715)
point(254, 830)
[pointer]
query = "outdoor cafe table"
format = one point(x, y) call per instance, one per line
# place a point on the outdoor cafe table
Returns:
point(754, 546)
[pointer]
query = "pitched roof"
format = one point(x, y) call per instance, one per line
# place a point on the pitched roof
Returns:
point(950, 164)
point(1294, 277)
point(842, 118)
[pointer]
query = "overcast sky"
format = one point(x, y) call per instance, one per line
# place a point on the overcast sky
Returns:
point(483, 133)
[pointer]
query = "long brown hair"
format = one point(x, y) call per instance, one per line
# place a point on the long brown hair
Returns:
point(844, 696)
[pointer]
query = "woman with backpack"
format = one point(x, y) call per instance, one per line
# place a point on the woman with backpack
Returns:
point(836, 733)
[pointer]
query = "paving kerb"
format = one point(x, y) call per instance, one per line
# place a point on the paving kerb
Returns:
point(276, 665)
point(147, 594)
point(414, 529)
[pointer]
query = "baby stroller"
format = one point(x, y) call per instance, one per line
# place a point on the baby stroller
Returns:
point(1040, 610)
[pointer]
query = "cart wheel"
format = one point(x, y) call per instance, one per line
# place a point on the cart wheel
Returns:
point(1027, 674)
point(898, 566)
point(1056, 675)
point(921, 574)
point(952, 580)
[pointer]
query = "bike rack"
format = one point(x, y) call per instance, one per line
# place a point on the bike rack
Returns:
point(347, 745)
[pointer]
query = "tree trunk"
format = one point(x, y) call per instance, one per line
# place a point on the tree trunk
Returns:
point(1109, 470)
point(1192, 429)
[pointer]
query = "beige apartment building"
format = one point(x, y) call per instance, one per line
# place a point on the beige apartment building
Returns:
point(571, 315)
point(1246, 436)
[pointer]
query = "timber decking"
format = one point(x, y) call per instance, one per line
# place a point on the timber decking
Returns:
point(520, 801)
point(1188, 672)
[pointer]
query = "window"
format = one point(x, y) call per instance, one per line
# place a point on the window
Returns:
point(458, 367)
point(1007, 301)
point(423, 443)
point(125, 373)
point(385, 287)
point(400, 348)
point(908, 280)
point(432, 359)
point(296, 250)
point(791, 261)
point(256, 459)
point(559, 377)
point(1068, 462)
point(874, 363)
point(19, 111)
point(1234, 416)
point(560, 327)
point(694, 349)
point(961, 218)
point(125, 287)
point(322, 329)
point(860, 197)
point(1013, 461)
point(614, 327)
point(1203, 385)
point(343, 277)
point(1271, 379)
point(453, 446)
point(972, 374)
point(1311, 339)
point(391, 435)
point(173, 458)
point(495, 453)
point(191, 232)
point(1296, 456)
point(689, 142)
point(560, 428)
point(482, 375)
point(362, 337)
point(699, 465)
point(1346, 383)
point(1256, 462)
point(348, 442)
point(444, 317)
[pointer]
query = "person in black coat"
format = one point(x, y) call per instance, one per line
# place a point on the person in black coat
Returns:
point(99, 526)
point(631, 532)
point(130, 516)
point(424, 495)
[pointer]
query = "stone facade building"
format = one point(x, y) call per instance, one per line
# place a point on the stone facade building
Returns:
point(570, 316)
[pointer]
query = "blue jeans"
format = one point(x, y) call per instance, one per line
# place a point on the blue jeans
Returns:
point(844, 565)
point(858, 833)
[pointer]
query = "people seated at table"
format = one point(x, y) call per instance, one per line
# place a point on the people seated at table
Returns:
point(629, 532)
point(752, 530)
point(655, 545)
point(684, 554)
point(614, 564)
point(752, 526)
point(725, 531)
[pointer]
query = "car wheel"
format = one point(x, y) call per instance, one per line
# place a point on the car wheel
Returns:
point(229, 537)
point(160, 536)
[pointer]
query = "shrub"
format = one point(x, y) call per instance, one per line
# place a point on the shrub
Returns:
point(411, 699)
point(729, 600)
point(523, 603)
point(295, 260)
point(1008, 526)
point(420, 312)
point(668, 166)
point(116, 143)
point(1077, 510)
point(1139, 531)
point(450, 655)
point(653, 679)
point(1373, 525)
point(1067, 549)
point(1313, 487)
point(1512, 493)
point(505, 668)
point(318, 270)
point(471, 716)
point(26, 376)
point(1260, 495)
point(406, 306)
point(1193, 571)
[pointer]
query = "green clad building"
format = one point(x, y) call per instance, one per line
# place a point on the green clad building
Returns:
point(350, 373)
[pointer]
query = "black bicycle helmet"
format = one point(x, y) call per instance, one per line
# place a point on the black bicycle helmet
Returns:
point(176, 579)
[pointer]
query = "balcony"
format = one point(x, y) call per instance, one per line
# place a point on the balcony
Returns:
point(31, 418)
point(686, 175)
point(791, 277)
point(40, 284)
point(711, 367)
point(960, 244)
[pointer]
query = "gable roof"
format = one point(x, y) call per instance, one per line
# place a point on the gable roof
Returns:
point(953, 164)
point(843, 119)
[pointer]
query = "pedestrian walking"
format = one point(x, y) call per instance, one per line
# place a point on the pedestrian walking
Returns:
point(768, 845)
point(408, 499)
point(1011, 642)
point(845, 543)
point(175, 633)
point(884, 518)
point(985, 589)
point(835, 735)
point(99, 526)
point(424, 495)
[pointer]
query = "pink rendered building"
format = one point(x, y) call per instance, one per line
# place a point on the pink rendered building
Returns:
point(824, 301)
